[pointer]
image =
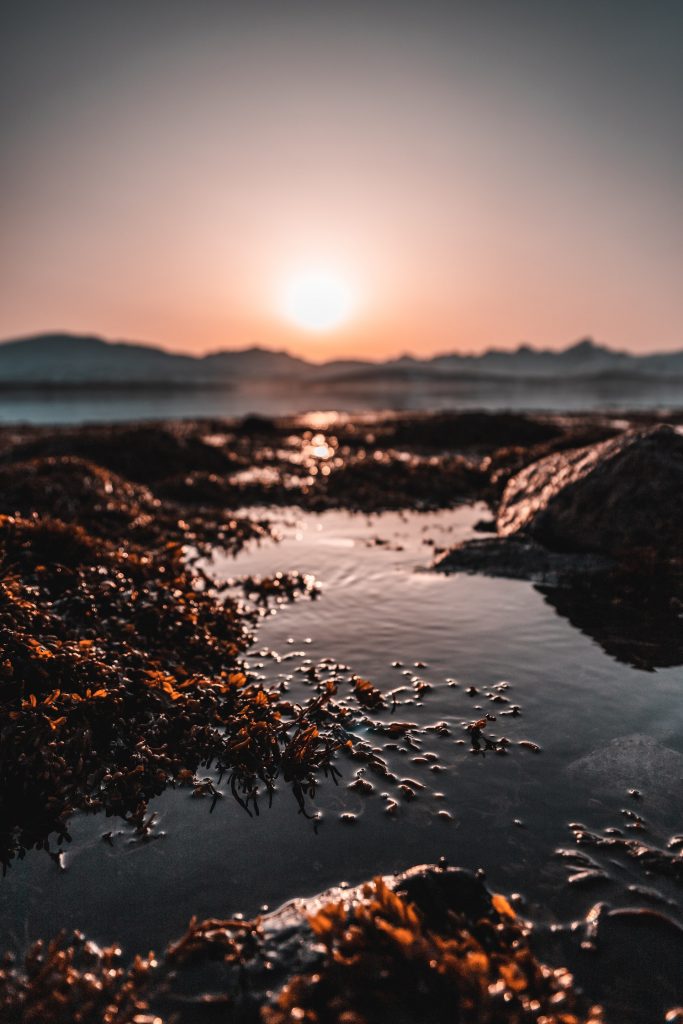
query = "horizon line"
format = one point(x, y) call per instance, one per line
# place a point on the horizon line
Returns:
point(160, 347)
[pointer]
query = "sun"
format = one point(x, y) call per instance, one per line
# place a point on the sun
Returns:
point(318, 300)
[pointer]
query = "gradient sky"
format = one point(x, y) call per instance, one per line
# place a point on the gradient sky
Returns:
point(483, 173)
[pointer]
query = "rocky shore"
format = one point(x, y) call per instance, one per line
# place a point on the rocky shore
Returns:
point(122, 674)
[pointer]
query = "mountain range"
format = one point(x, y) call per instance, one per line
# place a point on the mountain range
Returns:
point(69, 360)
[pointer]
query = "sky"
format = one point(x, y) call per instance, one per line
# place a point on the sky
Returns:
point(473, 175)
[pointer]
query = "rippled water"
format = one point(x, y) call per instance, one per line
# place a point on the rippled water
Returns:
point(381, 604)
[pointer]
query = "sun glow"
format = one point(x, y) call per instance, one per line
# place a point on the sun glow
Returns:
point(318, 300)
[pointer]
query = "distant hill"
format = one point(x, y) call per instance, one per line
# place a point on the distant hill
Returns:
point(73, 359)
point(58, 360)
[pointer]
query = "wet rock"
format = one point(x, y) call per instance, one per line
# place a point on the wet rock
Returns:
point(507, 461)
point(392, 483)
point(366, 463)
point(598, 530)
point(454, 430)
point(620, 496)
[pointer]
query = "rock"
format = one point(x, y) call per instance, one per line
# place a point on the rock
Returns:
point(142, 452)
point(401, 948)
point(454, 431)
point(620, 496)
point(597, 529)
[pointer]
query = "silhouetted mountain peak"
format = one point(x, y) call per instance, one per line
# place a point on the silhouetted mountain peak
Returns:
point(586, 347)
point(58, 358)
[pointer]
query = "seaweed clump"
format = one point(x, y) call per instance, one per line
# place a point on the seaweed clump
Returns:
point(72, 980)
point(388, 959)
point(431, 945)
point(121, 667)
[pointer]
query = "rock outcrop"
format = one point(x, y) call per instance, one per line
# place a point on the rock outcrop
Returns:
point(599, 530)
point(618, 497)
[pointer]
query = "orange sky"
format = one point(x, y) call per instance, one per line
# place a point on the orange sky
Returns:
point(481, 179)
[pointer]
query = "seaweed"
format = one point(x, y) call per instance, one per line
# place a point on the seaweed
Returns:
point(431, 945)
point(121, 666)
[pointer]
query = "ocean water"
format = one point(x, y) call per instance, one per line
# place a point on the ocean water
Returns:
point(102, 404)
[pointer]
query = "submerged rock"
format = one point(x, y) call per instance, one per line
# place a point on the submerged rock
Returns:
point(633, 760)
point(616, 497)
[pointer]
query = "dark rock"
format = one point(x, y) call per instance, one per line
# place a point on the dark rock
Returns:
point(620, 496)
point(371, 484)
point(430, 945)
point(257, 426)
point(598, 529)
point(331, 953)
point(506, 462)
point(454, 431)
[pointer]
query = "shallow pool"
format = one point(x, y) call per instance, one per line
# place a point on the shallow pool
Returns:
point(384, 614)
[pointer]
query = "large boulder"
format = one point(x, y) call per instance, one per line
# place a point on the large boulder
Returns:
point(617, 497)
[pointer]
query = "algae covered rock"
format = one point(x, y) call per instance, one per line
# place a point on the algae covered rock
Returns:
point(431, 944)
point(72, 489)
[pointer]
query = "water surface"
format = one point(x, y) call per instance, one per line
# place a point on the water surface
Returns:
point(81, 405)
